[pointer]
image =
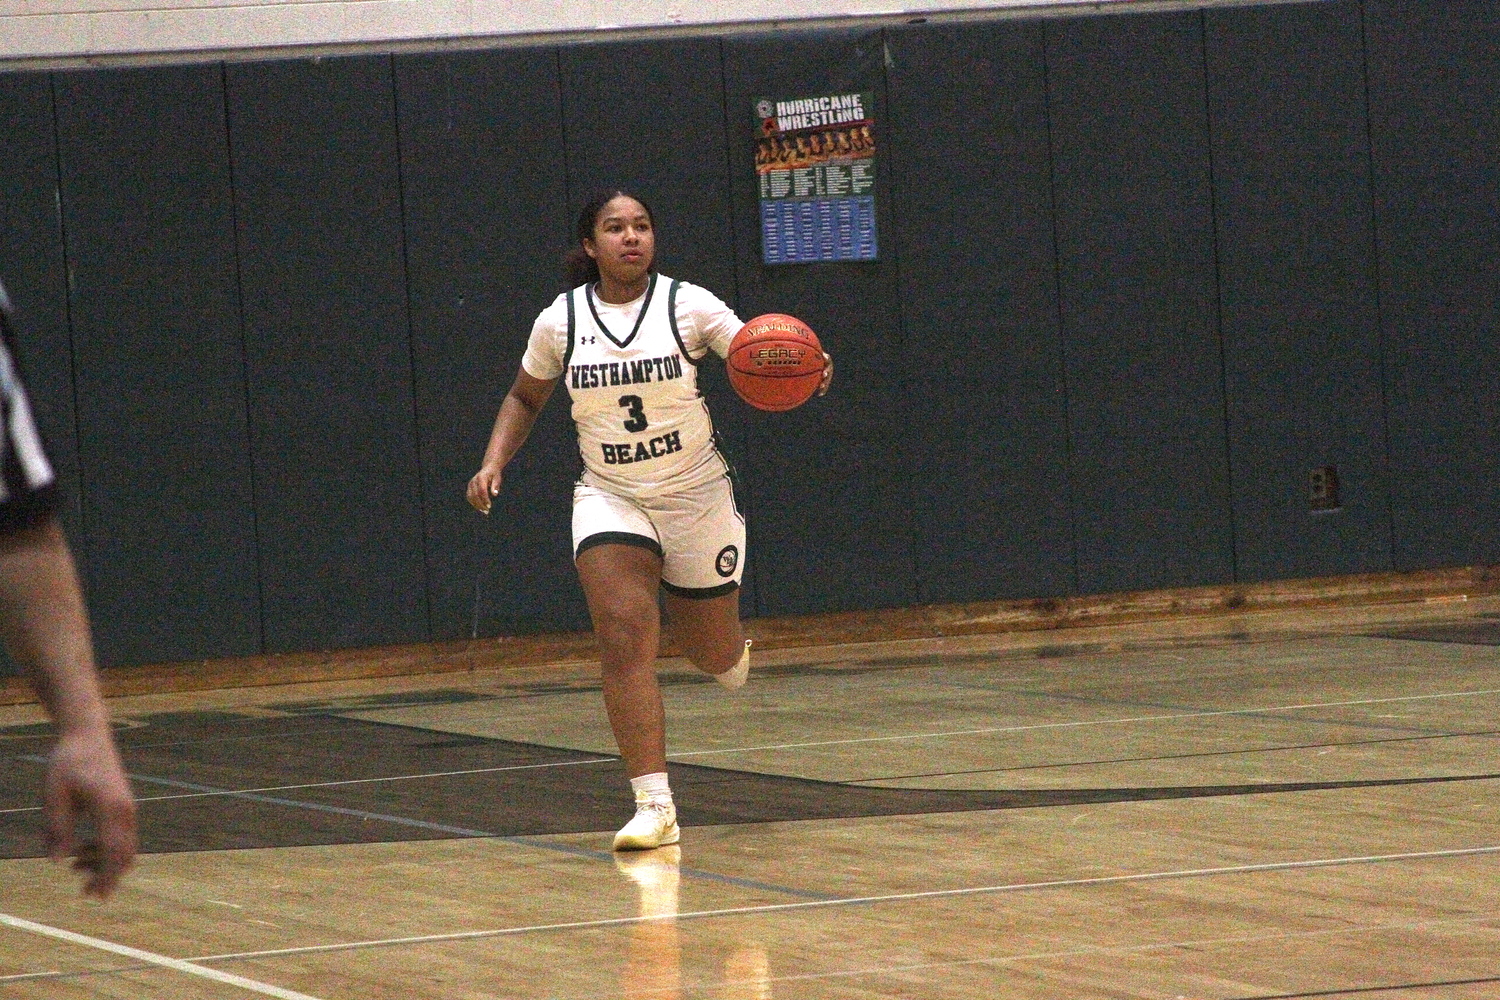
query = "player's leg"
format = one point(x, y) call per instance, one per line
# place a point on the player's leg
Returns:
point(619, 582)
point(619, 559)
point(707, 630)
point(703, 537)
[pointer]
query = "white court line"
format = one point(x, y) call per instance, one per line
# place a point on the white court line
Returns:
point(1418, 925)
point(1126, 949)
point(1122, 949)
point(175, 964)
point(854, 901)
point(1092, 722)
point(826, 743)
point(366, 781)
point(331, 784)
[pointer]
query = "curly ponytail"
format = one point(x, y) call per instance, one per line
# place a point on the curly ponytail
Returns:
point(580, 268)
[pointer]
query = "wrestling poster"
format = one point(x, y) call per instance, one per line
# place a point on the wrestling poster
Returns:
point(815, 162)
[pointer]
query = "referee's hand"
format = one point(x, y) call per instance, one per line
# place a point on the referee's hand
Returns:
point(85, 781)
point(483, 488)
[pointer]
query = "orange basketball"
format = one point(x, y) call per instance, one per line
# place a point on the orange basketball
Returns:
point(775, 362)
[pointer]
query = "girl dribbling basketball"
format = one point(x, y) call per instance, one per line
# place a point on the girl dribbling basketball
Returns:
point(654, 508)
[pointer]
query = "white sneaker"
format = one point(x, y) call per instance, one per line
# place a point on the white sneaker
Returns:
point(736, 675)
point(653, 825)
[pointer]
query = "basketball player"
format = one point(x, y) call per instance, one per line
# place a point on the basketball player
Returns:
point(654, 508)
point(46, 631)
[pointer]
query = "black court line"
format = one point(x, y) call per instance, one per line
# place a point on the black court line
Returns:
point(542, 689)
point(1479, 633)
point(488, 787)
point(404, 821)
point(546, 845)
point(1367, 990)
point(1171, 756)
point(243, 738)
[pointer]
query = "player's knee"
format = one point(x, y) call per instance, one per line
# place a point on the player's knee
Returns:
point(626, 635)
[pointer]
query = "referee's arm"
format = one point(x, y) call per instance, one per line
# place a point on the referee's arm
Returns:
point(45, 629)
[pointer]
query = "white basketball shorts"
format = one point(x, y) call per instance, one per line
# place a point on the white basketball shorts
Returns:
point(699, 533)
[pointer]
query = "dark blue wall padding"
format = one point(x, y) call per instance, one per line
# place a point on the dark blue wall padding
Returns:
point(168, 511)
point(483, 177)
point(1135, 239)
point(33, 269)
point(830, 482)
point(1435, 123)
point(1140, 274)
point(1298, 301)
point(649, 118)
point(337, 490)
point(973, 208)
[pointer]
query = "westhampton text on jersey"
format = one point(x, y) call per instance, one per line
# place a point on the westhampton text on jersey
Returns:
point(625, 372)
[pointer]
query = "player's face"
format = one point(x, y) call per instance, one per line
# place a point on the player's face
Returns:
point(624, 242)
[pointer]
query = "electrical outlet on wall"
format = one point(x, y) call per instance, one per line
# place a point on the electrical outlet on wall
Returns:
point(1323, 488)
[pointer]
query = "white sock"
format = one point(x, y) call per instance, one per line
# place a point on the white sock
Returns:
point(735, 676)
point(652, 787)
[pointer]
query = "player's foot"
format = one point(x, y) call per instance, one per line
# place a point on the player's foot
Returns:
point(653, 825)
point(735, 676)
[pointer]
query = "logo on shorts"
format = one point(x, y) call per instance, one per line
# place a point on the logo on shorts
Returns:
point(729, 558)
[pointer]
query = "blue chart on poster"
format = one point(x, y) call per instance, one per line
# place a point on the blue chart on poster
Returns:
point(815, 163)
point(798, 232)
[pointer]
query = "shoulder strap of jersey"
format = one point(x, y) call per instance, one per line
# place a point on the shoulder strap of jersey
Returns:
point(568, 354)
point(672, 318)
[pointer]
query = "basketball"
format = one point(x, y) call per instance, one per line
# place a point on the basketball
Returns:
point(775, 362)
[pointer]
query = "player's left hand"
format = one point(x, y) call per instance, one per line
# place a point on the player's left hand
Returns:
point(827, 374)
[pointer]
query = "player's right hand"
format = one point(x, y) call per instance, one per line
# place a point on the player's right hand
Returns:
point(84, 779)
point(483, 488)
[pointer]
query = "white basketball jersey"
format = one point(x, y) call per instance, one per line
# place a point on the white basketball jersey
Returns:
point(643, 426)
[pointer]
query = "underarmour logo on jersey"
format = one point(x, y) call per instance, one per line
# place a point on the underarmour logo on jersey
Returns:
point(729, 558)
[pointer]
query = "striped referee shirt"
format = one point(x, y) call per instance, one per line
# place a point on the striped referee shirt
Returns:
point(27, 482)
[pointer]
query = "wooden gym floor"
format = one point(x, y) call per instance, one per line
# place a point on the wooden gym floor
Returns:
point(1298, 803)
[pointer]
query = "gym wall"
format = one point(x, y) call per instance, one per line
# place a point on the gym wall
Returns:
point(62, 30)
point(1140, 275)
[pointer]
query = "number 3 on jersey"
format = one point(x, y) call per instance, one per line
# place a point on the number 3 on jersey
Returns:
point(634, 407)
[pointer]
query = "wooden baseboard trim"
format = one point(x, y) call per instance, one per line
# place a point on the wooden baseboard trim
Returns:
point(925, 621)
